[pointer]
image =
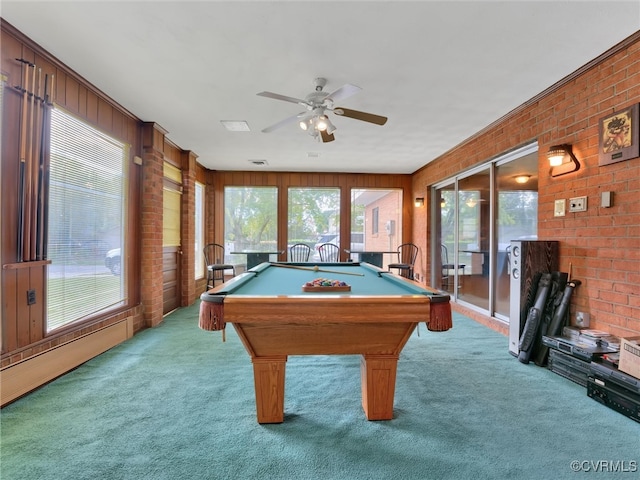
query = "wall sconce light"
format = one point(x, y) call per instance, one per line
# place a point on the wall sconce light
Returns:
point(522, 179)
point(562, 160)
point(472, 202)
point(419, 202)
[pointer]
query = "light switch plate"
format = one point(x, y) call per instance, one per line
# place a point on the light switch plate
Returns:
point(558, 209)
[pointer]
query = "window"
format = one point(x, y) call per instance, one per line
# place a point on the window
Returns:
point(199, 233)
point(375, 214)
point(250, 221)
point(376, 223)
point(86, 221)
point(314, 218)
point(171, 206)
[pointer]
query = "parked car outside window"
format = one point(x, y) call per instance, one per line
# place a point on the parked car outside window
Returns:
point(112, 261)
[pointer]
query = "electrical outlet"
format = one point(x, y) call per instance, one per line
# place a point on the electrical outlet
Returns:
point(578, 204)
point(558, 209)
point(582, 319)
point(31, 297)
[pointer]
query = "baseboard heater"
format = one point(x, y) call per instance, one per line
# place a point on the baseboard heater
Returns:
point(22, 377)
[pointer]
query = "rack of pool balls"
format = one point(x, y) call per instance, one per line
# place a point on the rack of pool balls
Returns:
point(326, 285)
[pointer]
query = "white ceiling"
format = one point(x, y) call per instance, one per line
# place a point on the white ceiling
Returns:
point(439, 70)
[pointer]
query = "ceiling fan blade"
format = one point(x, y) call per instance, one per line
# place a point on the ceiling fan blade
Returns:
point(282, 123)
point(326, 137)
point(343, 92)
point(365, 117)
point(277, 96)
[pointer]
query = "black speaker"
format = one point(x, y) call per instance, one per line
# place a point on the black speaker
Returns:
point(528, 259)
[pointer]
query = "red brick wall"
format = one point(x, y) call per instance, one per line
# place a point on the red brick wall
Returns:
point(151, 226)
point(601, 246)
point(388, 209)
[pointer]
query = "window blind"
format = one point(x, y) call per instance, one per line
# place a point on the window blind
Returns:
point(86, 221)
point(171, 205)
point(199, 233)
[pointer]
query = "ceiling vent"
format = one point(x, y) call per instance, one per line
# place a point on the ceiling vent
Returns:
point(236, 125)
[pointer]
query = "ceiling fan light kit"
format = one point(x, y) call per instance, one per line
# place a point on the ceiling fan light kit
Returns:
point(315, 120)
point(321, 122)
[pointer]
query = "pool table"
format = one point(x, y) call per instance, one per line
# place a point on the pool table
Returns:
point(275, 318)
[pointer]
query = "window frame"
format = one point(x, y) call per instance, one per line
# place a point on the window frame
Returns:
point(101, 290)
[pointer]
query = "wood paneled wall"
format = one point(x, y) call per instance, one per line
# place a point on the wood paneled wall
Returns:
point(23, 325)
point(218, 180)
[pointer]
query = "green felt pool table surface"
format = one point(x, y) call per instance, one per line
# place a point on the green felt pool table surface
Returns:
point(288, 279)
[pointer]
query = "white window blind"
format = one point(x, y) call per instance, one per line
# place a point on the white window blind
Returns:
point(199, 233)
point(86, 221)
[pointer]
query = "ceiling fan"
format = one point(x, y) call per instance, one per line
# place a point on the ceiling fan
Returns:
point(314, 119)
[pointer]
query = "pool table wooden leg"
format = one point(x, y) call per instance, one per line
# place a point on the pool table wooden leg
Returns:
point(268, 377)
point(378, 375)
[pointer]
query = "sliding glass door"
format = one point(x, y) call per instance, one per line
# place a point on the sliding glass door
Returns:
point(444, 274)
point(475, 217)
point(474, 238)
point(516, 218)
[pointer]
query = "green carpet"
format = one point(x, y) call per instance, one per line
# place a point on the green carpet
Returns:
point(175, 402)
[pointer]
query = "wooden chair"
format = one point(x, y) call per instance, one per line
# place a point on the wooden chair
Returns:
point(299, 252)
point(407, 254)
point(214, 259)
point(329, 252)
point(448, 269)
